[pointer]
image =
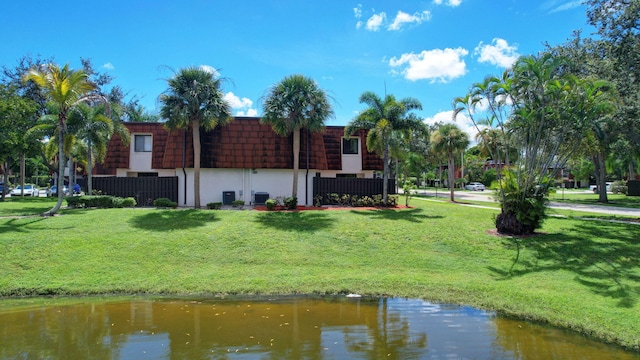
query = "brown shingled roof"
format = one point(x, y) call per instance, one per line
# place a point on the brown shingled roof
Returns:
point(244, 143)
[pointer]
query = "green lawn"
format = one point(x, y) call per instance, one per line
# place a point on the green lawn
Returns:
point(582, 275)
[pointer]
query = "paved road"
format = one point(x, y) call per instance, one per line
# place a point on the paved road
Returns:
point(487, 195)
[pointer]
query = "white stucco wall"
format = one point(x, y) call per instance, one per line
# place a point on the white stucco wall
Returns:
point(244, 183)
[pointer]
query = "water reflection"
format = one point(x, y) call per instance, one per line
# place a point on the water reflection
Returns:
point(335, 328)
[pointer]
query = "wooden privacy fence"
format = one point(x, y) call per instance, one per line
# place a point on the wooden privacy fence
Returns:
point(143, 189)
point(350, 186)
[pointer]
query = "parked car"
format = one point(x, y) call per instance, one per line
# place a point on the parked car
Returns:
point(53, 191)
point(29, 190)
point(474, 186)
point(3, 189)
point(595, 187)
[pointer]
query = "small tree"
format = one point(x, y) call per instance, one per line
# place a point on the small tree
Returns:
point(65, 88)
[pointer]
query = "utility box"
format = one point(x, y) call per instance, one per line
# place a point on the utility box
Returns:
point(261, 197)
point(228, 197)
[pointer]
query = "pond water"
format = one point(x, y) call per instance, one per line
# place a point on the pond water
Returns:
point(289, 328)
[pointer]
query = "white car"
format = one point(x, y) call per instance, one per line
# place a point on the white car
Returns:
point(474, 186)
point(29, 190)
point(594, 188)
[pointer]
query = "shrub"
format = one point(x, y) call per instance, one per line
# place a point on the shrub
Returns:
point(164, 202)
point(214, 205)
point(100, 201)
point(74, 201)
point(291, 202)
point(619, 187)
point(129, 202)
point(317, 200)
point(271, 204)
point(237, 203)
point(408, 190)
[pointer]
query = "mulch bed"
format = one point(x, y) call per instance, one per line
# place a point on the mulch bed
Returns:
point(333, 207)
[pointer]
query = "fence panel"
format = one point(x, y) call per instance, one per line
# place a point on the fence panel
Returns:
point(143, 189)
point(351, 186)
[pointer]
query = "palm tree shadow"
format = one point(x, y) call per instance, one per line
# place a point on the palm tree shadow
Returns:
point(13, 225)
point(305, 221)
point(166, 220)
point(609, 267)
point(413, 215)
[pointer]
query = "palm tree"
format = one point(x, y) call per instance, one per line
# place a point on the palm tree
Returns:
point(295, 103)
point(66, 88)
point(382, 118)
point(92, 125)
point(449, 140)
point(195, 99)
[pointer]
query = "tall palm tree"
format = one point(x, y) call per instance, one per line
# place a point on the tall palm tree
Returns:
point(92, 125)
point(450, 140)
point(66, 88)
point(296, 102)
point(195, 99)
point(382, 118)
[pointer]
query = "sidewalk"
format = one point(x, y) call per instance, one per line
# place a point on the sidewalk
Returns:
point(486, 196)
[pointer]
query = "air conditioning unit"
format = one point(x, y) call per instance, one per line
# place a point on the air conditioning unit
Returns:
point(261, 198)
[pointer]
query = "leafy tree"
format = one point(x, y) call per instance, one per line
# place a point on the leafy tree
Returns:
point(451, 141)
point(15, 116)
point(548, 112)
point(296, 103)
point(195, 99)
point(92, 125)
point(66, 88)
point(383, 118)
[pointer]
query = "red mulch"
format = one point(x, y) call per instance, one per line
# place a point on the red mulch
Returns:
point(332, 207)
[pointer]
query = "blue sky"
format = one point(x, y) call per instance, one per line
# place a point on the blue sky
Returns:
point(431, 50)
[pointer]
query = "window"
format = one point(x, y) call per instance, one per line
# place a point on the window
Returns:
point(350, 146)
point(142, 143)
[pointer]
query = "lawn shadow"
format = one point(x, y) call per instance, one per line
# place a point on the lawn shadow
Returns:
point(304, 221)
point(412, 215)
point(13, 225)
point(609, 267)
point(170, 219)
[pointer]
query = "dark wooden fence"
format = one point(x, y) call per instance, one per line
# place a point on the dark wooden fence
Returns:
point(143, 189)
point(351, 186)
point(633, 188)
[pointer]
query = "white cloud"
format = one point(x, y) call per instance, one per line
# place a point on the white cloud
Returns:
point(403, 18)
point(108, 66)
point(452, 3)
point(248, 113)
point(500, 53)
point(567, 6)
point(375, 21)
point(357, 12)
point(435, 65)
point(243, 105)
point(462, 121)
point(210, 70)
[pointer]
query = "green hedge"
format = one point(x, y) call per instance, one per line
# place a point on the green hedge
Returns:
point(100, 201)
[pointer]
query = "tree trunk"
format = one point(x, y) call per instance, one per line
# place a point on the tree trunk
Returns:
point(451, 177)
point(385, 175)
point(601, 177)
point(296, 161)
point(89, 169)
point(61, 162)
point(5, 180)
point(22, 172)
point(196, 164)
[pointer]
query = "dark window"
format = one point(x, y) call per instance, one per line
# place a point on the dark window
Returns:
point(143, 143)
point(346, 175)
point(147, 174)
point(350, 146)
